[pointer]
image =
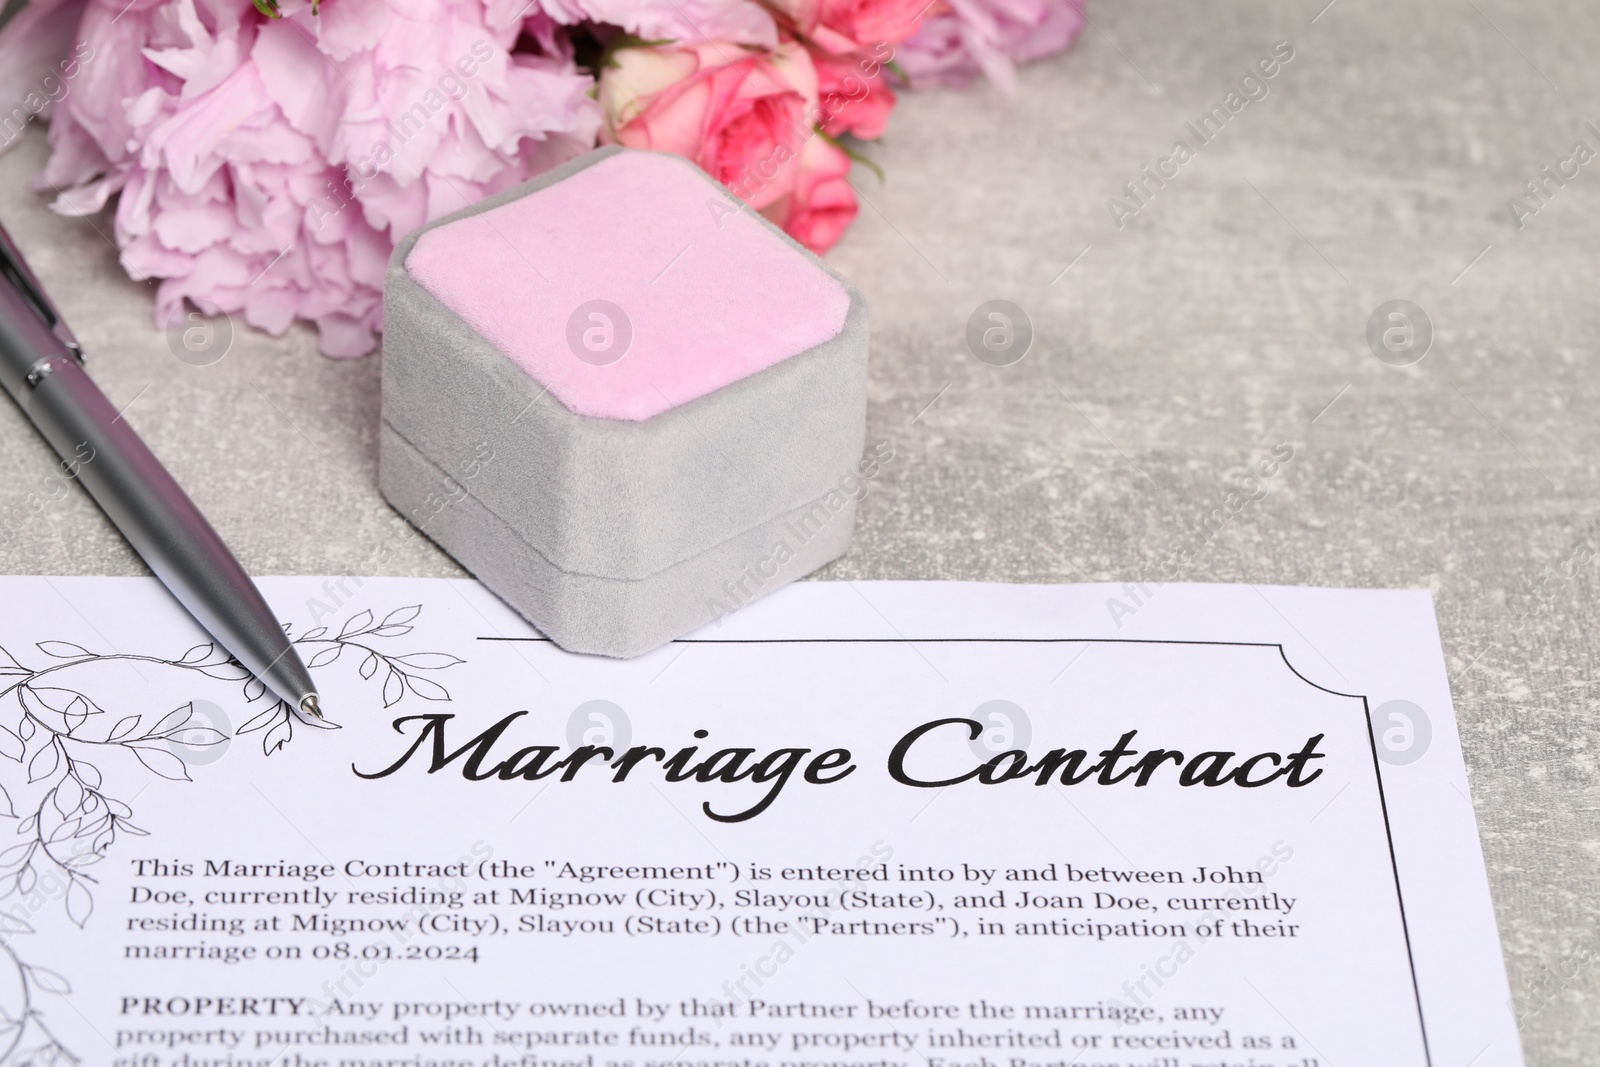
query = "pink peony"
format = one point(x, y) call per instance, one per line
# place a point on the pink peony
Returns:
point(39, 62)
point(266, 167)
point(960, 39)
point(747, 118)
point(739, 21)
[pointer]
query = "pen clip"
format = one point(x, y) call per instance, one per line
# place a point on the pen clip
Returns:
point(14, 271)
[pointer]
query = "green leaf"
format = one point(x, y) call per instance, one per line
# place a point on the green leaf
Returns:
point(854, 153)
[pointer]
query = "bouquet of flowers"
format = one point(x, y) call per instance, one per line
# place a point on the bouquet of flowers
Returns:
point(266, 154)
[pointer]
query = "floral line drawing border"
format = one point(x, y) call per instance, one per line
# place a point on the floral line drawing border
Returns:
point(52, 730)
point(21, 1020)
point(355, 636)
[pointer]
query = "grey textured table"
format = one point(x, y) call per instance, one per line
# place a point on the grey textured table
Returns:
point(1227, 315)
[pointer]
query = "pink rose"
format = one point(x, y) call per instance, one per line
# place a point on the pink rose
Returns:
point(747, 118)
point(841, 27)
point(854, 95)
point(823, 204)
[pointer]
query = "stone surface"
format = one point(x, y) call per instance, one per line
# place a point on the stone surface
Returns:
point(1228, 315)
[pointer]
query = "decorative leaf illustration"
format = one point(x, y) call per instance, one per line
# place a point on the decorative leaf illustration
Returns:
point(9, 664)
point(77, 714)
point(369, 666)
point(68, 796)
point(123, 728)
point(80, 904)
point(62, 649)
point(197, 653)
point(199, 737)
point(11, 745)
point(279, 735)
point(172, 720)
point(44, 763)
point(402, 615)
point(7, 809)
point(396, 623)
point(228, 671)
point(56, 699)
point(326, 656)
point(393, 687)
point(263, 720)
point(357, 624)
point(160, 760)
point(63, 832)
point(428, 661)
point(49, 980)
point(427, 688)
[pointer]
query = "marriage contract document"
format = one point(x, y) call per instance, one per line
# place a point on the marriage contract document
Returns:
point(854, 825)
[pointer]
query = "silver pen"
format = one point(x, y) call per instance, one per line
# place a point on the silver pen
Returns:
point(41, 366)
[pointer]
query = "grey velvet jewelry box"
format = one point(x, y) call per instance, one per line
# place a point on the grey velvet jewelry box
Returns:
point(614, 535)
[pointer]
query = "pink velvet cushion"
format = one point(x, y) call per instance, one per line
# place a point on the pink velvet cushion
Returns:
point(710, 294)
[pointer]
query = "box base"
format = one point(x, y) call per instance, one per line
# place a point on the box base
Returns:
point(597, 614)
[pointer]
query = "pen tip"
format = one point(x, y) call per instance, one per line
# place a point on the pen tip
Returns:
point(310, 706)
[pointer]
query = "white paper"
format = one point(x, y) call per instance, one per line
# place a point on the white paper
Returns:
point(197, 878)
